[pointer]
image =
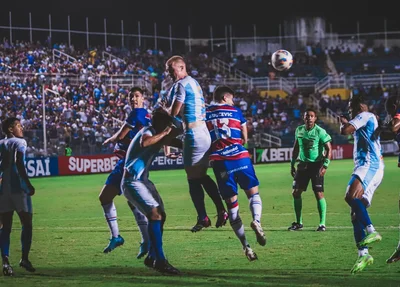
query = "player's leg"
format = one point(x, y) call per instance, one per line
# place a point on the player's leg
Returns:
point(107, 195)
point(26, 240)
point(6, 220)
point(395, 255)
point(245, 175)
point(142, 223)
point(228, 189)
point(140, 195)
point(237, 225)
point(110, 190)
point(300, 183)
point(196, 145)
point(359, 194)
point(318, 188)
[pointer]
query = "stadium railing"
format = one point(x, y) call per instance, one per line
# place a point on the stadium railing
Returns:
point(59, 54)
point(109, 56)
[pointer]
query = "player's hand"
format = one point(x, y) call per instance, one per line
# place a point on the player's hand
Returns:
point(293, 171)
point(31, 190)
point(322, 171)
point(167, 130)
point(107, 141)
point(342, 119)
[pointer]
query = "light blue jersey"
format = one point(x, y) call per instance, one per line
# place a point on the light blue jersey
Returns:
point(188, 92)
point(368, 161)
point(138, 159)
point(367, 148)
point(11, 181)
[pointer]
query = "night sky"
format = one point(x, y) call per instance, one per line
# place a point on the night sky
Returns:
point(342, 15)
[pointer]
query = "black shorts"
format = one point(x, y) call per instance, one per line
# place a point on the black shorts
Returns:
point(305, 172)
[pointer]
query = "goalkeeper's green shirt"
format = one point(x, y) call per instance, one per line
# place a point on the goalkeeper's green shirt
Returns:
point(311, 143)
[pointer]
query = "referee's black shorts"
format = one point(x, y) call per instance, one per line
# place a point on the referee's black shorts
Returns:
point(305, 172)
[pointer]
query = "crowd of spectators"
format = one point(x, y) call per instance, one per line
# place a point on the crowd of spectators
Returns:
point(83, 110)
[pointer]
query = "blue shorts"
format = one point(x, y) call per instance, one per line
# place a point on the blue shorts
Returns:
point(115, 176)
point(230, 173)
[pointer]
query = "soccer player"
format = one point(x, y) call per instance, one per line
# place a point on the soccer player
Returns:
point(15, 193)
point(313, 148)
point(185, 102)
point(137, 119)
point(141, 192)
point(232, 164)
point(392, 108)
point(366, 177)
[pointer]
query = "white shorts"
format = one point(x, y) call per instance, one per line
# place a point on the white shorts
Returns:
point(142, 194)
point(15, 202)
point(370, 180)
point(196, 145)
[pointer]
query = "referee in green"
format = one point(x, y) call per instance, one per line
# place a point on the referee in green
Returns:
point(312, 147)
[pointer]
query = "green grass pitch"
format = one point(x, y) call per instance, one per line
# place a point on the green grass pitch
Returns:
point(70, 233)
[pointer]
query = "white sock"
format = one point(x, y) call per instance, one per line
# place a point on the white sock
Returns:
point(142, 223)
point(370, 229)
point(256, 206)
point(110, 213)
point(362, 252)
point(237, 225)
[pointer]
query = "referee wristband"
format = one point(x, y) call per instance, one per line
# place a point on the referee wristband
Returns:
point(326, 162)
point(293, 162)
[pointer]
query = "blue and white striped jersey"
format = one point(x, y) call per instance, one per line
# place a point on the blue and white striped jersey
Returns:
point(138, 159)
point(188, 92)
point(367, 147)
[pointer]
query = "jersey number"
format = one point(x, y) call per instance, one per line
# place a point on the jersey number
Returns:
point(221, 128)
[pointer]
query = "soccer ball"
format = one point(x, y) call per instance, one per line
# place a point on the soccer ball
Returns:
point(282, 60)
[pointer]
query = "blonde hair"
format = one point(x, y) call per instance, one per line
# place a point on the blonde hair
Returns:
point(174, 59)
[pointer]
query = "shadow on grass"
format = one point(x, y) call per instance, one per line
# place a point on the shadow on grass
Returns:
point(212, 277)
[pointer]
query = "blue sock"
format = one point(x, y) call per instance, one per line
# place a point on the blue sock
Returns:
point(361, 212)
point(5, 241)
point(156, 238)
point(212, 190)
point(26, 241)
point(359, 231)
point(197, 195)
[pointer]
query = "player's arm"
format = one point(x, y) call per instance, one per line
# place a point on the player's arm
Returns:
point(119, 135)
point(148, 140)
point(326, 159)
point(244, 133)
point(22, 172)
point(349, 127)
point(345, 127)
point(395, 125)
point(179, 99)
point(295, 155)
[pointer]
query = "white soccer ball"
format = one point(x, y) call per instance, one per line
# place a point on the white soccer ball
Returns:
point(282, 60)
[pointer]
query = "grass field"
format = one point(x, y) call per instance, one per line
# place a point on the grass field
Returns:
point(70, 233)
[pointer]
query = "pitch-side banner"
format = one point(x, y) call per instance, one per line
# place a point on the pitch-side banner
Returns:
point(105, 163)
point(39, 167)
point(269, 155)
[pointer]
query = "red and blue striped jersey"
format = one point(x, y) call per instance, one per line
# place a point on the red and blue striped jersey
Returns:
point(224, 122)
